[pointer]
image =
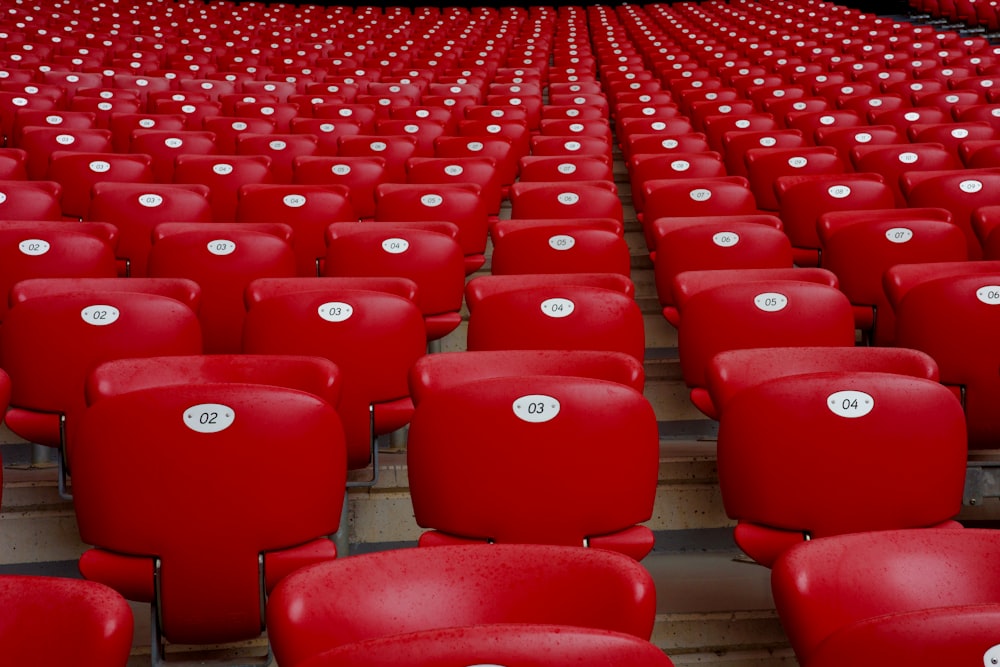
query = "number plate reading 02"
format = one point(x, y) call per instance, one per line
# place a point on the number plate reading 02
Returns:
point(100, 315)
point(536, 408)
point(209, 417)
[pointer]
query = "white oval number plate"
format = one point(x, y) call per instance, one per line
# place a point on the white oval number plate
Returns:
point(336, 311)
point(209, 417)
point(850, 404)
point(395, 246)
point(989, 294)
point(222, 247)
point(899, 235)
point(558, 307)
point(536, 408)
point(34, 247)
point(726, 239)
point(100, 315)
point(561, 242)
point(770, 302)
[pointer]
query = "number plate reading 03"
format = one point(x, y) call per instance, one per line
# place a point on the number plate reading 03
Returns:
point(209, 417)
point(536, 408)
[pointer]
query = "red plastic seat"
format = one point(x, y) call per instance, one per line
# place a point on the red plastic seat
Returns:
point(499, 148)
point(360, 175)
point(48, 374)
point(434, 372)
point(946, 610)
point(554, 314)
point(12, 101)
point(479, 170)
point(802, 199)
point(844, 139)
point(374, 337)
point(565, 168)
point(221, 538)
point(520, 644)
point(164, 146)
point(327, 132)
point(223, 260)
point(731, 372)
point(694, 197)
point(809, 121)
point(893, 160)
point(41, 142)
point(394, 149)
point(960, 191)
point(559, 247)
point(224, 175)
point(77, 173)
point(13, 164)
point(952, 134)
point(860, 246)
point(93, 623)
point(857, 425)
point(307, 209)
point(565, 200)
point(30, 200)
point(714, 242)
point(736, 143)
point(457, 203)
point(431, 259)
point(54, 250)
point(644, 167)
point(76, 120)
point(946, 310)
point(764, 165)
point(537, 584)
point(580, 413)
point(194, 112)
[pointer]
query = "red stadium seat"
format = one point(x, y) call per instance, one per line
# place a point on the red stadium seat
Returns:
point(30, 200)
point(538, 584)
point(960, 191)
point(360, 175)
point(573, 512)
point(559, 247)
point(764, 165)
point(218, 552)
point(857, 425)
point(224, 175)
point(78, 173)
point(164, 146)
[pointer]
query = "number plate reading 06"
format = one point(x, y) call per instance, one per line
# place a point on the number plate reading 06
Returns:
point(536, 408)
point(209, 417)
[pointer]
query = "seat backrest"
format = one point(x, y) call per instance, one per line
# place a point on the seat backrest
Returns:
point(164, 145)
point(52, 251)
point(457, 203)
point(565, 200)
point(893, 160)
point(434, 372)
point(314, 375)
point(373, 337)
point(736, 143)
point(209, 525)
point(360, 175)
point(523, 412)
point(802, 199)
point(764, 165)
point(759, 313)
point(542, 645)
point(565, 168)
point(954, 319)
point(223, 261)
point(349, 600)
point(50, 620)
point(224, 175)
point(648, 166)
point(30, 200)
point(695, 197)
point(307, 209)
point(560, 248)
point(734, 370)
point(78, 172)
point(433, 260)
point(860, 246)
point(826, 440)
point(395, 149)
point(557, 315)
point(834, 585)
point(961, 191)
point(41, 142)
point(447, 170)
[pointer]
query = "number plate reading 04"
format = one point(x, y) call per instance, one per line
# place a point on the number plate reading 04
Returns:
point(850, 404)
point(536, 408)
point(209, 417)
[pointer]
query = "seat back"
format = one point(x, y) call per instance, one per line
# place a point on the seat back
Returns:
point(224, 175)
point(566, 413)
point(49, 620)
point(844, 584)
point(223, 261)
point(211, 524)
point(30, 200)
point(373, 337)
point(557, 315)
point(961, 191)
point(165, 145)
point(764, 165)
point(826, 440)
point(560, 248)
point(78, 172)
point(389, 593)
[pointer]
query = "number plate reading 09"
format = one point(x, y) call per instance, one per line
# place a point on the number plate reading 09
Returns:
point(209, 417)
point(536, 408)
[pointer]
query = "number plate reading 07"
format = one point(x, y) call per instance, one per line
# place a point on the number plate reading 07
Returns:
point(209, 417)
point(536, 408)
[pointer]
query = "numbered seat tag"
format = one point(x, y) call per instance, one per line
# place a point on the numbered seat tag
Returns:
point(899, 235)
point(209, 417)
point(536, 408)
point(558, 308)
point(771, 302)
point(850, 404)
point(100, 315)
point(336, 311)
point(222, 247)
point(395, 246)
point(562, 242)
point(989, 294)
point(34, 247)
point(726, 239)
